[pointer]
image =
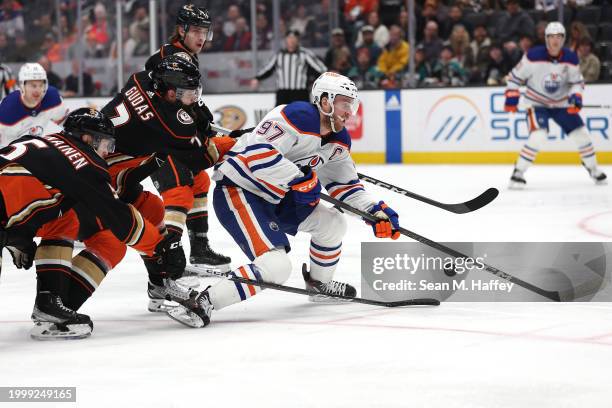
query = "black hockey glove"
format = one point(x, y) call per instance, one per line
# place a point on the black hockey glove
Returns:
point(202, 117)
point(22, 249)
point(173, 262)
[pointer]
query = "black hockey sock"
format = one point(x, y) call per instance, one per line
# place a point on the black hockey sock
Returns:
point(153, 265)
point(53, 260)
point(86, 275)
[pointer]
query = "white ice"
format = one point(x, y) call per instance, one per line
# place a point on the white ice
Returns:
point(278, 350)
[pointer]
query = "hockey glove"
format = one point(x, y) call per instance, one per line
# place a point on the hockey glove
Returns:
point(307, 188)
point(22, 249)
point(170, 250)
point(388, 226)
point(575, 102)
point(512, 100)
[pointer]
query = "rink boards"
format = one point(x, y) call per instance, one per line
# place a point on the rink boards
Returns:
point(446, 125)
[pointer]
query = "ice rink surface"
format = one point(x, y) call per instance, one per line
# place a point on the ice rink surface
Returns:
point(278, 350)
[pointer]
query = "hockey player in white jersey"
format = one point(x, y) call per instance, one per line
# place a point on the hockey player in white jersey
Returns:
point(554, 88)
point(268, 186)
point(31, 108)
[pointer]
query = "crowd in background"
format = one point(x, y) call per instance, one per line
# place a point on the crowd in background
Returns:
point(458, 42)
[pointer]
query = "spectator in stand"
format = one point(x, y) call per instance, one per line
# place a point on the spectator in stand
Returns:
point(367, 35)
point(229, 25)
point(426, 71)
point(450, 72)
point(578, 31)
point(428, 13)
point(21, 51)
point(455, 17)
point(389, 10)
point(241, 39)
point(71, 82)
point(218, 36)
point(480, 50)
point(337, 45)
point(264, 33)
point(98, 29)
point(137, 45)
point(381, 33)
point(300, 19)
point(342, 61)
point(355, 10)
point(514, 23)
point(394, 57)
point(431, 43)
point(364, 74)
point(318, 28)
point(499, 66)
point(52, 78)
point(590, 66)
point(459, 42)
point(540, 38)
point(404, 20)
point(11, 18)
point(38, 31)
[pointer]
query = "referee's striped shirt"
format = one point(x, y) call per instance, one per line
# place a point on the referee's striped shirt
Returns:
point(7, 81)
point(292, 68)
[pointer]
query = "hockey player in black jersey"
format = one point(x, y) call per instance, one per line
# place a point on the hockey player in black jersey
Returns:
point(157, 120)
point(185, 194)
point(41, 180)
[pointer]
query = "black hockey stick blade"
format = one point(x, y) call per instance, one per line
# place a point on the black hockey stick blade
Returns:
point(459, 208)
point(299, 291)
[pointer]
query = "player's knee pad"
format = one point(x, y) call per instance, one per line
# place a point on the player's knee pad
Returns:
point(580, 136)
point(201, 183)
point(537, 138)
point(181, 197)
point(329, 226)
point(105, 246)
point(274, 266)
point(151, 207)
point(171, 175)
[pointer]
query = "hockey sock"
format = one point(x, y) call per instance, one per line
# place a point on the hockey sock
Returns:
point(197, 217)
point(581, 137)
point(530, 150)
point(227, 292)
point(53, 260)
point(324, 260)
point(86, 274)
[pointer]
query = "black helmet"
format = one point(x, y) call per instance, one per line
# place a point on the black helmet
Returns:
point(174, 72)
point(190, 15)
point(92, 122)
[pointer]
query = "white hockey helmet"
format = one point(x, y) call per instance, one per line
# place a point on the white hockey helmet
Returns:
point(332, 84)
point(32, 71)
point(554, 27)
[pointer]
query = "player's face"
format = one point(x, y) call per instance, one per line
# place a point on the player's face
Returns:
point(554, 42)
point(105, 147)
point(188, 96)
point(34, 91)
point(344, 108)
point(195, 38)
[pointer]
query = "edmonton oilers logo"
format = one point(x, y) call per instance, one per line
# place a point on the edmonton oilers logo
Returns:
point(274, 226)
point(552, 82)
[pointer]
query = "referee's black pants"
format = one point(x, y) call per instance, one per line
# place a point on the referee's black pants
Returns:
point(285, 96)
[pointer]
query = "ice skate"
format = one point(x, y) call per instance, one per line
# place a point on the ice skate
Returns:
point(517, 180)
point(54, 321)
point(324, 289)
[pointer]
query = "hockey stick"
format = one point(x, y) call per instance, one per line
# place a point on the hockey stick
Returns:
point(557, 296)
point(231, 133)
point(596, 106)
point(291, 289)
point(459, 208)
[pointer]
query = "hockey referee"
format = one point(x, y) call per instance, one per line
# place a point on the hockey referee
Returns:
point(292, 64)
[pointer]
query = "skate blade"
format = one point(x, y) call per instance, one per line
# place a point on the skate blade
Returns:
point(160, 305)
point(185, 316)
point(603, 182)
point(207, 271)
point(327, 300)
point(46, 331)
